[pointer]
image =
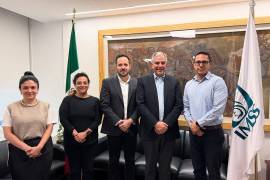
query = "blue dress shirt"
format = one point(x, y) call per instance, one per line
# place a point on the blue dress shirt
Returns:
point(159, 81)
point(205, 100)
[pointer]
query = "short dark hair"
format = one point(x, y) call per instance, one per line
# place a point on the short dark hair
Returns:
point(204, 53)
point(80, 74)
point(28, 75)
point(121, 55)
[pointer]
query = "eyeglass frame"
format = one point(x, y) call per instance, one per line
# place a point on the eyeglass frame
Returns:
point(201, 62)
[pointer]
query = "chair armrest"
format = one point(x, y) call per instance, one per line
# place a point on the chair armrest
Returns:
point(4, 169)
point(58, 152)
point(226, 148)
point(101, 146)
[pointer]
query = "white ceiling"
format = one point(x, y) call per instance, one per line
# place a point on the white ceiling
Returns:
point(53, 10)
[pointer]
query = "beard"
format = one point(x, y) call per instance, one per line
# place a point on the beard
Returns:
point(122, 73)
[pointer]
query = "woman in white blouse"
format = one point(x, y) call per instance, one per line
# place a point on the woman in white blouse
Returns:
point(27, 126)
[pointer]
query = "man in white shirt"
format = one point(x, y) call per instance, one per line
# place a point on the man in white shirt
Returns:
point(118, 103)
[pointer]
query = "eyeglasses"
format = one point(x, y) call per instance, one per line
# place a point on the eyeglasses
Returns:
point(201, 62)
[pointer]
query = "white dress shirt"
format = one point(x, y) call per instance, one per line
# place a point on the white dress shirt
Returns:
point(124, 88)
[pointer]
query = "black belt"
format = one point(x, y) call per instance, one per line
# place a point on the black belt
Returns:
point(211, 128)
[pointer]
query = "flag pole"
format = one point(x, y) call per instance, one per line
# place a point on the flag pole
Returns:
point(73, 64)
point(74, 13)
point(256, 167)
point(252, 5)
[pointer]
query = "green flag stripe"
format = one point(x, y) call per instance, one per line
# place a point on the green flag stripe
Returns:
point(72, 58)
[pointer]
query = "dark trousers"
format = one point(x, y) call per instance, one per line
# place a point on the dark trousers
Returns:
point(126, 142)
point(23, 167)
point(158, 151)
point(206, 152)
point(80, 160)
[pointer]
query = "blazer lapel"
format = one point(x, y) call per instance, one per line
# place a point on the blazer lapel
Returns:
point(166, 91)
point(131, 88)
point(152, 85)
point(118, 88)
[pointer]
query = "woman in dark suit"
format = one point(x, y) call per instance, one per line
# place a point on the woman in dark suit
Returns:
point(80, 117)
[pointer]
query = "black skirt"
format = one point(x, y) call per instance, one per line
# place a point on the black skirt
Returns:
point(23, 167)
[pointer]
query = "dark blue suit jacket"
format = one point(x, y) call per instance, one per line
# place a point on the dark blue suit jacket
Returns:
point(147, 104)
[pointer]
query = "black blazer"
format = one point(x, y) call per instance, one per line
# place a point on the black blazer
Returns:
point(147, 104)
point(112, 105)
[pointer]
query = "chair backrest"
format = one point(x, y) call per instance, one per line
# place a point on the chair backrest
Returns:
point(225, 149)
point(101, 146)
point(186, 147)
point(178, 145)
point(3, 158)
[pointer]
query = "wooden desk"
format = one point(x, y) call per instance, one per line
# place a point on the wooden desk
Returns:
point(227, 123)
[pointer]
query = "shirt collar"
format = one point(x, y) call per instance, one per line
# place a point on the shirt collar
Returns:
point(159, 77)
point(121, 81)
point(207, 76)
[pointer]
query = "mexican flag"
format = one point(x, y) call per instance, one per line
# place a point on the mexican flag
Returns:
point(72, 65)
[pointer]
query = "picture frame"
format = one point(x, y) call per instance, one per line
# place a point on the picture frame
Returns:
point(211, 32)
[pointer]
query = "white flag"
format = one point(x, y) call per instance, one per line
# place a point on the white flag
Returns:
point(248, 118)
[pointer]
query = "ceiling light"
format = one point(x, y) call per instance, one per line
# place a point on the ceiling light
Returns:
point(130, 8)
point(183, 34)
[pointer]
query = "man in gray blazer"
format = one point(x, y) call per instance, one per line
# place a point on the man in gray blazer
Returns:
point(159, 102)
point(118, 103)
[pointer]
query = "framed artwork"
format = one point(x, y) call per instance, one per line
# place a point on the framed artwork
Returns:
point(222, 39)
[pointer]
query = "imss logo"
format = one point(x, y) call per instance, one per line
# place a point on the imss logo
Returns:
point(245, 114)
